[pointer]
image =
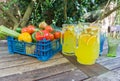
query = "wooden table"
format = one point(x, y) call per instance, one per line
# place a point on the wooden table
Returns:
point(15, 67)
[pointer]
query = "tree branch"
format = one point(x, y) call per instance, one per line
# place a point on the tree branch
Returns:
point(18, 10)
point(8, 13)
point(109, 12)
point(105, 8)
point(65, 9)
point(27, 14)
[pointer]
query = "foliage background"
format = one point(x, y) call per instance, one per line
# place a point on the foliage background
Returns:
point(55, 12)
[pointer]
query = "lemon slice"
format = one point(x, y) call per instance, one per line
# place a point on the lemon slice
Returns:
point(70, 27)
point(88, 29)
point(91, 40)
point(85, 37)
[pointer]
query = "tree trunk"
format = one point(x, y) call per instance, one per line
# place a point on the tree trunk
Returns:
point(27, 14)
point(65, 9)
point(11, 16)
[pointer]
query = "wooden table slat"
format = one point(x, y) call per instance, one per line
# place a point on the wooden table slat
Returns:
point(73, 75)
point(30, 67)
point(112, 63)
point(42, 73)
point(90, 70)
point(22, 61)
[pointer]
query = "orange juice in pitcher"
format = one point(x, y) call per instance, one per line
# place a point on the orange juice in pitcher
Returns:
point(87, 49)
point(68, 39)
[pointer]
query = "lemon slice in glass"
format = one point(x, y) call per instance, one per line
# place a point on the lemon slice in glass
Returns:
point(92, 40)
point(84, 37)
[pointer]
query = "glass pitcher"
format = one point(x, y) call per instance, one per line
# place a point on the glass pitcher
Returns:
point(68, 39)
point(87, 49)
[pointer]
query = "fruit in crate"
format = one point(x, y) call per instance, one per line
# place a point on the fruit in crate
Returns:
point(33, 37)
point(27, 41)
point(42, 25)
point(26, 37)
point(18, 30)
point(51, 37)
point(31, 29)
point(24, 30)
point(40, 35)
point(43, 32)
point(57, 35)
point(49, 28)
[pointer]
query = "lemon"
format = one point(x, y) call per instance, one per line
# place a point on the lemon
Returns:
point(92, 40)
point(85, 37)
point(88, 29)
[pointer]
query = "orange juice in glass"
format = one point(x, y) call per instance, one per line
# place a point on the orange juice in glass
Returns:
point(87, 49)
point(68, 39)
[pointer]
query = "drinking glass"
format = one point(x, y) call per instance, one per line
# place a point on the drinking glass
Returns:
point(113, 42)
point(102, 39)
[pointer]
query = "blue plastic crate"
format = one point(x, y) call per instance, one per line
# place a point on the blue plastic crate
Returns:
point(43, 50)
